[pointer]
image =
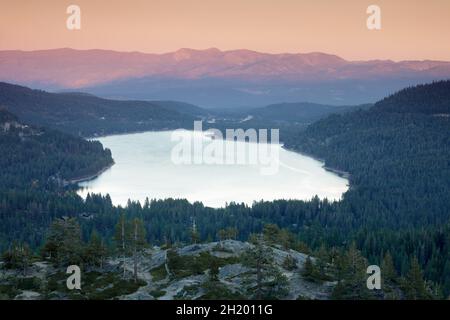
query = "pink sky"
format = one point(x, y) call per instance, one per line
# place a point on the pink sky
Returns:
point(411, 29)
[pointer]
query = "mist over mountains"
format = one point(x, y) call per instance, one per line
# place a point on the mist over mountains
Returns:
point(214, 78)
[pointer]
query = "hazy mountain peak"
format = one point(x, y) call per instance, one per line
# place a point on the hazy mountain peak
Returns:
point(187, 53)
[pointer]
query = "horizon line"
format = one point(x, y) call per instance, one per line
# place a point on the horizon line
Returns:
point(222, 51)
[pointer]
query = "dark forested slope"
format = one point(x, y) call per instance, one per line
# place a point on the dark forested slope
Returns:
point(88, 115)
point(302, 112)
point(427, 98)
point(399, 162)
point(35, 157)
point(398, 157)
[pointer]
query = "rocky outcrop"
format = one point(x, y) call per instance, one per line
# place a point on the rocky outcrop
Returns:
point(157, 281)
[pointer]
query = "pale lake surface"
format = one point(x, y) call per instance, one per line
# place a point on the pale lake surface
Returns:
point(145, 166)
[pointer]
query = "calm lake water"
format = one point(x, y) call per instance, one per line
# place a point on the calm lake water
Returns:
point(147, 165)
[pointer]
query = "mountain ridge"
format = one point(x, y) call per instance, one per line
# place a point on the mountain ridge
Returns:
point(217, 79)
point(430, 98)
point(88, 115)
point(189, 63)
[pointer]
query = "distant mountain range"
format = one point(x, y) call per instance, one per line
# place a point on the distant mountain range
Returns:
point(88, 115)
point(214, 78)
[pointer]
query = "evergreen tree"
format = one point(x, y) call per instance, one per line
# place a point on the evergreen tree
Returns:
point(64, 246)
point(352, 277)
point(309, 272)
point(415, 286)
point(271, 233)
point(18, 256)
point(322, 258)
point(214, 270)
point(266, 280)
point(138, 243)
point(195, 237)
point(122, 238)
point(95, 250)
point(388, 272)
point(289, 263)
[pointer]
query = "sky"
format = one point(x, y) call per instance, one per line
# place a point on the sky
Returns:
point(410, 29)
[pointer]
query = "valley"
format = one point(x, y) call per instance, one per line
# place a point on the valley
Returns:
point(224, 159)
point(394, 214)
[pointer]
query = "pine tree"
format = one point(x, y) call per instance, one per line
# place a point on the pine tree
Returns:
point(26, 255)
point(195, 236)
point(322, 257)
point(352, 276)
point(222, 235)
point(289, 263)
point(308, 269)
point(122, 238)
point(63, 245)
point(214, 270)
point(415, 287)
point(231, 233)
point(18, 256)
point(95, 250)
point(266, 282)
point(389, 279)
point(388, 272)
point(286, 239)
point(228, 233)
point(139, 243)
point(302, 247)
point(271, 233)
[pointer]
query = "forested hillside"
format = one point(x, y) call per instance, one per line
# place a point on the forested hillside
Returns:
point(34, 157)
point(88, 115)
point(302, 112)
point(398, 158)
point(396, 213)
point(427, 98)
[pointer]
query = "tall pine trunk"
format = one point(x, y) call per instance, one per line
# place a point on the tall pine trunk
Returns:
point(123, 245)
point(258, 280)
point(135, 251)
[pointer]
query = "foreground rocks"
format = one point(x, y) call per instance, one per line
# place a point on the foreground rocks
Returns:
point(157, 280)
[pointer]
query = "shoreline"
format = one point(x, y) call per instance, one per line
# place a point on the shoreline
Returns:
point(340, 173)
point(89, 177)
point(130, 132)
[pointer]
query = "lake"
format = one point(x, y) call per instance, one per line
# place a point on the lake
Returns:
point(150, 164)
